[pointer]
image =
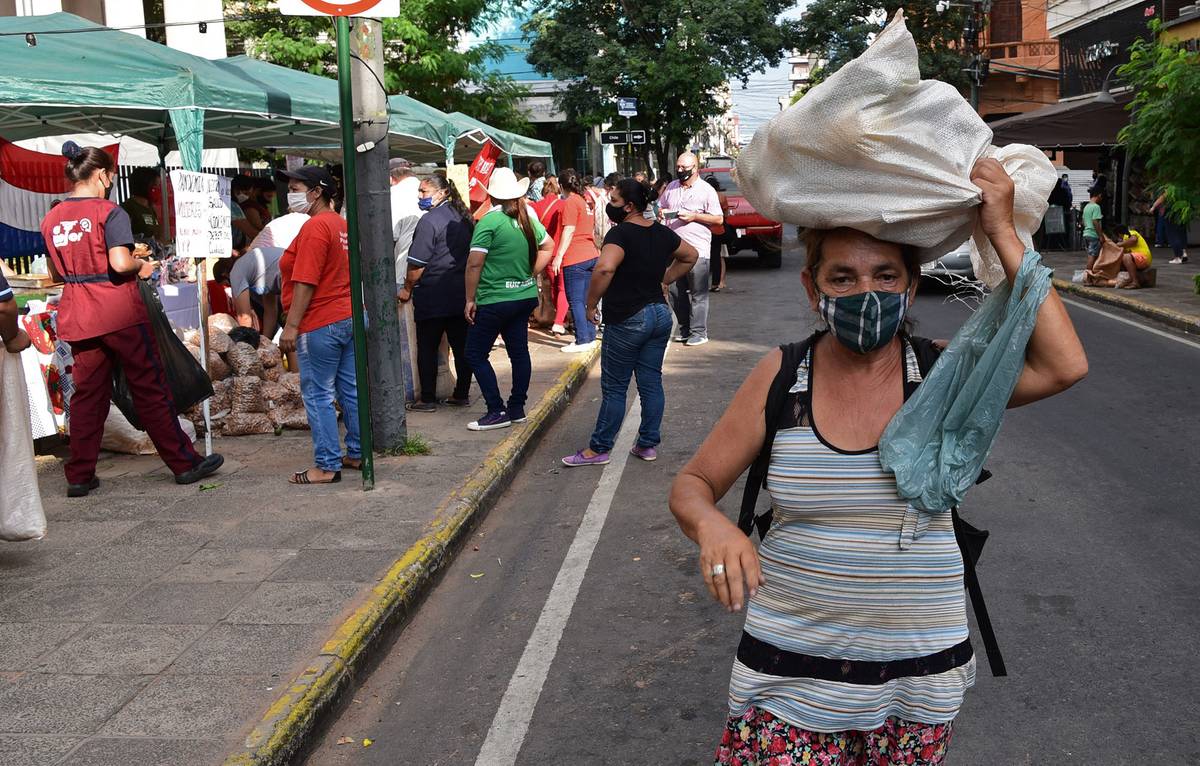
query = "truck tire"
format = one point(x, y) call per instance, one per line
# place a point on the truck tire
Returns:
point(770, 254)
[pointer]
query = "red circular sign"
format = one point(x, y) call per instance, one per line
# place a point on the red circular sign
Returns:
point(350, 8)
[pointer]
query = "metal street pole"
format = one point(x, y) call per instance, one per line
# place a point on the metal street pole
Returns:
point(350, 187)
point(387, 354)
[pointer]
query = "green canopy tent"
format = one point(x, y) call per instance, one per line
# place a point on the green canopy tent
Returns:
point(416, 131)
point(64, 74)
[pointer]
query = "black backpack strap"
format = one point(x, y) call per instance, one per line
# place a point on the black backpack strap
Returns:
point(793, 354)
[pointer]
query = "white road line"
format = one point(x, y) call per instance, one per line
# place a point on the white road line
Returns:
point(1130, 322)
point(509, 727)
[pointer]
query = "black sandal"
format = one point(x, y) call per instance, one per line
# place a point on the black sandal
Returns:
point(301, 477)
point(453, 402)
point(420, 407)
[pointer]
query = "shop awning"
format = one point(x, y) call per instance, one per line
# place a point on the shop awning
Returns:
point(1065, 125)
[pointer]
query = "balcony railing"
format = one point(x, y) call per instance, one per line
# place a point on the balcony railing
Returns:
point(1023, 49)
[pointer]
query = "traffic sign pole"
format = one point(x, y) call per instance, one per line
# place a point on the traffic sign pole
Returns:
point(350, 192)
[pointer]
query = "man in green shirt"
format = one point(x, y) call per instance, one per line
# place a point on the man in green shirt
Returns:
point(1092, 216)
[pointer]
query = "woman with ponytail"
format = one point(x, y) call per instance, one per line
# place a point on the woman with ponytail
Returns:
point(508, 248)
point(576, 258)
point(436, 284)
point(89, 241)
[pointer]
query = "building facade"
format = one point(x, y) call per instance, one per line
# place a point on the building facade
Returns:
point(1023, 72)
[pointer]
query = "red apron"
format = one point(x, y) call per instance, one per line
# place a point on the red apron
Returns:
point(95, 301)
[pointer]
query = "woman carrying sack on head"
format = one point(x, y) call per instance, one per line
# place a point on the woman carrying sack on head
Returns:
point(855, 647)
point(508, 247)
point(101, 314)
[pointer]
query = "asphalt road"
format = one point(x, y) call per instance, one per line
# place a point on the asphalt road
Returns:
point(1090, 575)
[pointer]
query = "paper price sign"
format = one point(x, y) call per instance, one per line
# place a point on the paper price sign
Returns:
point(202, 215)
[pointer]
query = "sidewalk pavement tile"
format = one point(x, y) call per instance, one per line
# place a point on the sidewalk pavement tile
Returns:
point(294, 603)
point(43, 703)
point(125, 563)
point(181, 603)
point(21, 643)
point(192, 707)
point(33, 751)
point(121, 649)
point(338, 565)
point(270, 534)
point(230, 565)
point(65, 602)
point(145, 752)
point(173, 533)
point(76, 534)
point(369, 535)
point(226, 649)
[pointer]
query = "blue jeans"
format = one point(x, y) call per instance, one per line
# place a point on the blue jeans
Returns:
point(326, 357)
point(637, 346)
point(576, 280)
point(509, 320)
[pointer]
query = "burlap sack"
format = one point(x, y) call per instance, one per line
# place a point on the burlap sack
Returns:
point(877, 149)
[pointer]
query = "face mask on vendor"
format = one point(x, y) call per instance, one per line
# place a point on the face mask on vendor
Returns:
point(241, 197)
point(865, 322)
point(298, 202)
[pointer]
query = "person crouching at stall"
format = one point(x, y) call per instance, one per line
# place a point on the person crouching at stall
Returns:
point(315, 273)
point(101, 314)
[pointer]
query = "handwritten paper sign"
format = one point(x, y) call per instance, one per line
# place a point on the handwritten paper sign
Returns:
point(202, 215)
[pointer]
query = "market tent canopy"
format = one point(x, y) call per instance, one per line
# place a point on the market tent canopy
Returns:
point(510, 143)
point(416, 130)
point(1065, 125)
point(86, 78)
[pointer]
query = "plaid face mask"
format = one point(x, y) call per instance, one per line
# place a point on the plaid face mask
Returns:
point(864, 322)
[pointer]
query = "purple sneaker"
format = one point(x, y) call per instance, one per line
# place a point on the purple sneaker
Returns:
point(490, 422)
point(578, 459)
point(649, 454)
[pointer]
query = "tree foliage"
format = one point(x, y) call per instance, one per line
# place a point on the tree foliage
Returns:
point(423, 57)
point(1164, 126)
point(838, 31)
point(674, 56)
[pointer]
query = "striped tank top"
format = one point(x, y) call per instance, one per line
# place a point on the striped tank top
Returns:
point(857, 581)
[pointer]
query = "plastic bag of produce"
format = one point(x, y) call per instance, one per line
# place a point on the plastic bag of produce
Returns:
point(877, 149)
point(21, 514)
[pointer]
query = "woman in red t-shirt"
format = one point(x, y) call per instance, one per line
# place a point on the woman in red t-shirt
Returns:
point(549, 211)
point(315, 276)
point(89, 241)
point(575, 257)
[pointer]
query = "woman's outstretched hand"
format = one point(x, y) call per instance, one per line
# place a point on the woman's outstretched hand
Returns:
point(723, 544)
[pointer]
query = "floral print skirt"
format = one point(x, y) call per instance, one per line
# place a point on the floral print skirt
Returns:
point(760, 739)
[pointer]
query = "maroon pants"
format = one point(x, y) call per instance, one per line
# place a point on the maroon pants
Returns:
point(135, 351)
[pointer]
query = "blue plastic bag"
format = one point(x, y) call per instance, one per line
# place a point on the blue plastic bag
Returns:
point(938, 441)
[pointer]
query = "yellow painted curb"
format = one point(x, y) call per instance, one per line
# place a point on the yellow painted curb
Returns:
point(1176, 319)
point(281, 732)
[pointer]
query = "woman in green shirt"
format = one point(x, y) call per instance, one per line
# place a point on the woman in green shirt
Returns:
point(508, 247)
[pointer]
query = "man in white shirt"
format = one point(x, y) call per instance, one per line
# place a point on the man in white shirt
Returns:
point(406, 188)
point(690, 206)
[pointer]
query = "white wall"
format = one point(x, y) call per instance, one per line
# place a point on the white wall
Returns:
point(38, 7)
point(188, 38)
point(125, 13)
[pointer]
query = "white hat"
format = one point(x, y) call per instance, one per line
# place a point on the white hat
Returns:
point(504, 184)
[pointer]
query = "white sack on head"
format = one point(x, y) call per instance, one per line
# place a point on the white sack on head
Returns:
point(877, 149)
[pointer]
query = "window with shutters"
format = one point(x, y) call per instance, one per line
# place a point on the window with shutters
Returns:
point(1006, 22)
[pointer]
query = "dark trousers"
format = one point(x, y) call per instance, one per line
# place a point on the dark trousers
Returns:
point(577, 279)
point(429, 340)
point(135, 351)
point(509, 320)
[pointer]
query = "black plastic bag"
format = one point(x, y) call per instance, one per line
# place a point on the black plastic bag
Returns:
point(188, 382)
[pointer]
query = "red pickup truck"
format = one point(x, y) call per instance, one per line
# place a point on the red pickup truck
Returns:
point(753, 231)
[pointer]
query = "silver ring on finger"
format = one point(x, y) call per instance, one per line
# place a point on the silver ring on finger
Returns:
point(717, 570)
